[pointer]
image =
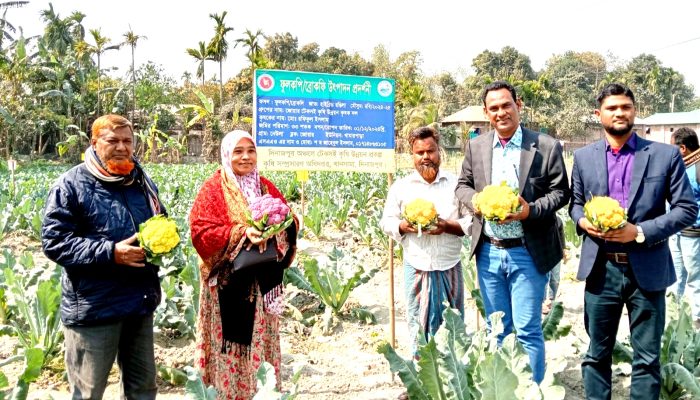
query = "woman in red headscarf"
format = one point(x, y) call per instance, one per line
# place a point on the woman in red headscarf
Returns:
point(238, 324)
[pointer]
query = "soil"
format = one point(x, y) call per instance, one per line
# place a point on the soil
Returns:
point(343, 364)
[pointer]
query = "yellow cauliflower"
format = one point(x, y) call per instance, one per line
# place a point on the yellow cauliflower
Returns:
point(159, 235)
point(421, 214)
point(605, 213)
point(495, 202)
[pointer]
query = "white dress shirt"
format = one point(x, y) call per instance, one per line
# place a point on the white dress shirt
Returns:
point(428, 252)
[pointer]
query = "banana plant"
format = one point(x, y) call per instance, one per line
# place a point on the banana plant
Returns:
point(74, 141)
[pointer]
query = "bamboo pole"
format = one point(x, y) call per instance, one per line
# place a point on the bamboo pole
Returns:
point(392, 309)
point(302, 176)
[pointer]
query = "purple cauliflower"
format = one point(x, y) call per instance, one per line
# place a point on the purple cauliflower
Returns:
point(275, 209)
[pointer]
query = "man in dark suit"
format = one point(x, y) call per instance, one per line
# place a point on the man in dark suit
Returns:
point(632, 265)
point(514, 256)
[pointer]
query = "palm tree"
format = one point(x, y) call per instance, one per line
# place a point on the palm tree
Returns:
point(201, 55)
point(83, 51)
point(218, 47)
point(131, 39)
point(422, 115)
point(101, 46)
point(60, 34)
point(252, 42)
point(78, 30)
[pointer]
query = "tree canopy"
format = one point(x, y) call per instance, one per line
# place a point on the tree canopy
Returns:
point(53, 85)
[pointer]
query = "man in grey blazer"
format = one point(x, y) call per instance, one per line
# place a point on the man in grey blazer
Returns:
point(630, 266)
point(514, 256)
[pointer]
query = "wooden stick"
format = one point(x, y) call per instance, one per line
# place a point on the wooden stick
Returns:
point(303, 211)
point(392, 310)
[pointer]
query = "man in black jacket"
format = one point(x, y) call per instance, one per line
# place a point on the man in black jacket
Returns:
point(109, 291)
point(514, 256)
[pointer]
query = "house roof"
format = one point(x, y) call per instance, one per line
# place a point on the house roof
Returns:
point(468, 114)
point(675, 118)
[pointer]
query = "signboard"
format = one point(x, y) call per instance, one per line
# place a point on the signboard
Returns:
point(323, 122)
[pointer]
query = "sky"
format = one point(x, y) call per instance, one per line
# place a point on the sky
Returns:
point(448, 34)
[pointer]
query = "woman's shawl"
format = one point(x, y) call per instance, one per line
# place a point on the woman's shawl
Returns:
point(218, 221)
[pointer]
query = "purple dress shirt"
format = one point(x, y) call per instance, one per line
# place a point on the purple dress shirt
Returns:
point(620, 163)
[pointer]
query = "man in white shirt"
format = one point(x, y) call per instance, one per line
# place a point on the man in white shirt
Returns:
point(432, 268)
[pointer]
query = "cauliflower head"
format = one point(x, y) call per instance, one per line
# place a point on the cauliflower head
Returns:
point(605, 213)
point(274, 208)
point(495, 202)
point(159, 235)
point(421, 213)
point(270, 215)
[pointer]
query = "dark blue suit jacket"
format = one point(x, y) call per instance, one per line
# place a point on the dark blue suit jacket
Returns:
point(658, 177)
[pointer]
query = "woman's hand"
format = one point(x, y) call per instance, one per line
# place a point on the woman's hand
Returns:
point(255, 238)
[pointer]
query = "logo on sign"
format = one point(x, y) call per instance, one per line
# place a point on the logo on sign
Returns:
point(385, 88)
point(266, 82)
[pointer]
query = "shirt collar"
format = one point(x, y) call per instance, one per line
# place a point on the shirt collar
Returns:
point(516, 140)
point(415, 177)
point(631, 143)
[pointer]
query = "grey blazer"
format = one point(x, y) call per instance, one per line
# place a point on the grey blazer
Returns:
point(543, 183)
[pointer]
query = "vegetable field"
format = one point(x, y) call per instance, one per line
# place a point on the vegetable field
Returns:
point(336, 323)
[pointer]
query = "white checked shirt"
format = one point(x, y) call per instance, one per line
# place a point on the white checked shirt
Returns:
point(505, 166)
point(428, 252)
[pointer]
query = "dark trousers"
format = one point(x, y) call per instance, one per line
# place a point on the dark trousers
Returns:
point(91, 351)
point(610, 287)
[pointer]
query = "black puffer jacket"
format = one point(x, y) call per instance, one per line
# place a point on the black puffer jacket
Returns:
point(84, 218)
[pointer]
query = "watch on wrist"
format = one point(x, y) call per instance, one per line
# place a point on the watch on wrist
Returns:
point(640, 235)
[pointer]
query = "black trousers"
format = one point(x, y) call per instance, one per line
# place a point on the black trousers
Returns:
point(610, 287)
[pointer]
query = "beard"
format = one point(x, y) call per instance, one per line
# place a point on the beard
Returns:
point(119, 167)
point(611, 129)
point(428, 171)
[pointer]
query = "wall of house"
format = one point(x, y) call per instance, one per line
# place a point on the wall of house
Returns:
point(662, 133)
